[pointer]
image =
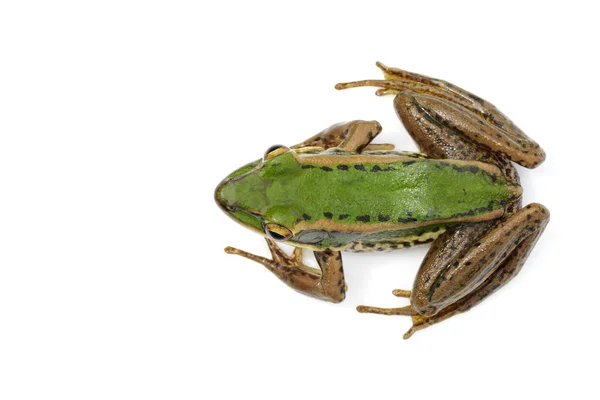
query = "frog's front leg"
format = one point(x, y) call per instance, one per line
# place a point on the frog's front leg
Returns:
point(327, 283)
point(354, 137)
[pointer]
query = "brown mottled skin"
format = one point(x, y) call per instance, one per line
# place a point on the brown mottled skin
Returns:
point(467, 262)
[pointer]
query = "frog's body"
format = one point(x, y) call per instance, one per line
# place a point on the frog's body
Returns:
point(416, 197)
point(338, 192)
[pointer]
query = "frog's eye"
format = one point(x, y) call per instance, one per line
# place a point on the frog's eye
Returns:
point(278, 232)
point(274, 151)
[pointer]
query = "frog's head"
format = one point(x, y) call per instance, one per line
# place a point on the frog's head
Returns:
point(260, 194)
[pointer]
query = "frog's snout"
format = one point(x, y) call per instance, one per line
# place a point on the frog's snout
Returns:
point(221, 199)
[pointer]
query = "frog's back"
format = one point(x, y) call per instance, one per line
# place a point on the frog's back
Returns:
point(387, 200)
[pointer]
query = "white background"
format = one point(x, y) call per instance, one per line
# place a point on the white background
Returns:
point(118, 119)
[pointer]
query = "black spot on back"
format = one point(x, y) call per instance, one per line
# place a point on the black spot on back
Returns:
point(406, 220)
point(363, 218)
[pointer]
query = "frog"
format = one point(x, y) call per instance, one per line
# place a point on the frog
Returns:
point(338, 192)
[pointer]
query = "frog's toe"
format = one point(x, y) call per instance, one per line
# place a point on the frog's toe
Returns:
point(406, 310)
point(261, 260)
point(385, 92)
point(401, 293)
point(419, 322)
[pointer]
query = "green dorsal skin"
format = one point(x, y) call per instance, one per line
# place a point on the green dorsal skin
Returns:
point(288, 190)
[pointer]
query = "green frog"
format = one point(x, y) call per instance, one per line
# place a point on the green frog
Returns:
point(337, 191)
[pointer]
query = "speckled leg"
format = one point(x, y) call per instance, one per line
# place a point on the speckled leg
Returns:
point(460, 110)
point(458, 273)
point(353, 136)
point(464, 113)
point(501, 253)
point(447, 276)
point(445, 130)
point(326, 284)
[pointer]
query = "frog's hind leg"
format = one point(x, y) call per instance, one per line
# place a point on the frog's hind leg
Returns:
point(468, 263)
point(494, 260)
point(354, 137)
point(422, 102)
point(442, 129)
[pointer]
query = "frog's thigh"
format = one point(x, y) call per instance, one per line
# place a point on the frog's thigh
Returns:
point(467, 266)
point(440, 128)
point(351, 136)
